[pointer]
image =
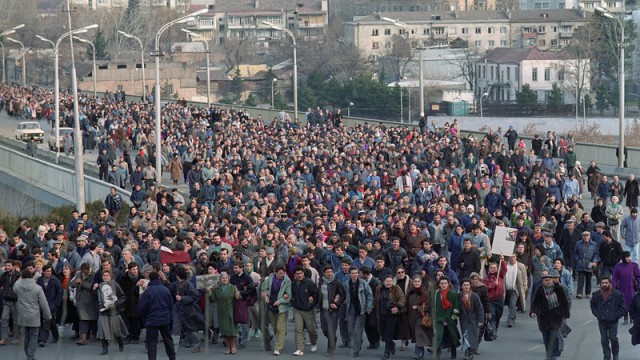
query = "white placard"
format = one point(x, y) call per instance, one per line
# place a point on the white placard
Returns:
point(504, 241)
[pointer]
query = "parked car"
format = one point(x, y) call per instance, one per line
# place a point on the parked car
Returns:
point(52, 138)
point(30, 129)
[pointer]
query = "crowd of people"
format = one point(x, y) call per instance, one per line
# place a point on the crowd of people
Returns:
point(376, 231)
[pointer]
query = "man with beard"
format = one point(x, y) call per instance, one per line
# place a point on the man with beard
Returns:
point(607, 305)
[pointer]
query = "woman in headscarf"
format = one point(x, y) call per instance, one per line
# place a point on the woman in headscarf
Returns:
point(445, 321)
point(471, 318)
point(388, 303)
point(224, 295)
point(419, 305)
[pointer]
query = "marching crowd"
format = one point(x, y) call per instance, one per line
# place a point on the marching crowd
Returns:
point(375, 232)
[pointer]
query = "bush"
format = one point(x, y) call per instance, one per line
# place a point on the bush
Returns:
point(59, 215)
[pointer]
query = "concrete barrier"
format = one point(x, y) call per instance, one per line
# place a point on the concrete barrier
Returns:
point(52, 184)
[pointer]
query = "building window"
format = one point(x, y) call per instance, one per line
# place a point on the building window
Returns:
point(478, 30)
point(387, 45)
point(490, 30)
point(542, 43)
point(554, 42)
point(375, 45)
point(491, 73)
point(453, 31)
point(547, 74)
point(534, 74)
point(503, 30)
point(542, 29)
point(465, 30)
point(561, 75)
point(492, 43)
point(508, 73)
point(503, 43)
point(425, 32)
point(478, 43)
point(374, 32)
point(387, 31)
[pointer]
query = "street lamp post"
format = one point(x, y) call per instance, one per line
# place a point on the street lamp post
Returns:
point(401, 104)
point(403, 25)
point(56, 81)
point(3, 63)
point(24, 60)
point(5, 33)
point(273, 82)
point(481, 98)
point(158, 53)
point(295, 65)
point(605, 13)
point(206, 48)
point(349, 109)
point(144, 87)
point(95, 75)
point(78, 143)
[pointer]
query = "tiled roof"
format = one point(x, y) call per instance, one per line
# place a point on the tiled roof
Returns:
point(516, 56)
point(224, 6)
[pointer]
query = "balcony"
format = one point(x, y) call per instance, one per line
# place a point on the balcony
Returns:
point(566, 35)
point(310, 25)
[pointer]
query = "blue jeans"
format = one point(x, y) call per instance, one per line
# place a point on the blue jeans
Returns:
point(356, 328)
point(609, 335)
point(497, 307)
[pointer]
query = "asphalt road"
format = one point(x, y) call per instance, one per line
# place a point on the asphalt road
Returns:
point(523, 342)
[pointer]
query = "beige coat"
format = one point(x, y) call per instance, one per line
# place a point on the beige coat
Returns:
point(522, 285)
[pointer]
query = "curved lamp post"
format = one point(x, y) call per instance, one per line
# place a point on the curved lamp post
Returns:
point(295, 65)
point(157, 54)
point(144, 86)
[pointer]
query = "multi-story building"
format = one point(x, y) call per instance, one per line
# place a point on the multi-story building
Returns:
point(108, 4)
point(241, 19)
point(502, 72)
point(615, 6)
point(480, 30)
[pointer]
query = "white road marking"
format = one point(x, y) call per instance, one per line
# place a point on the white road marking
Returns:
point(534, 347)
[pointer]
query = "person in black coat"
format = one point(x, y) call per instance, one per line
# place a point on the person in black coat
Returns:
point(468, 261)
point(607, 305)
point(130, 283)
point(551, 306)
point(635, 318)
point(155, 307)
point(52, 288)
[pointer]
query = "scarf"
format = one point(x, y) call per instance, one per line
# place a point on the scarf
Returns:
point(446, 304)
point(466, 300)
point(552, 298)
point(606, 294)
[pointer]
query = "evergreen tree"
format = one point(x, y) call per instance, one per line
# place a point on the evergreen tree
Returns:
point(601, 99)
point(527, 98)
point(251, 100)
point(102, 46)
point(555, 99)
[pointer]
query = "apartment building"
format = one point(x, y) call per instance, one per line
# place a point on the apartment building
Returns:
point(108, 4)
point(244, 19)
point(503, 71)
point(482, 30)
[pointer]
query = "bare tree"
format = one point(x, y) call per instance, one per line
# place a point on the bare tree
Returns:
point(398, 57)
point(465, 64)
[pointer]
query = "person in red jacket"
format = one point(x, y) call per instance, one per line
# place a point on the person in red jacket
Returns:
point(494, 281)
